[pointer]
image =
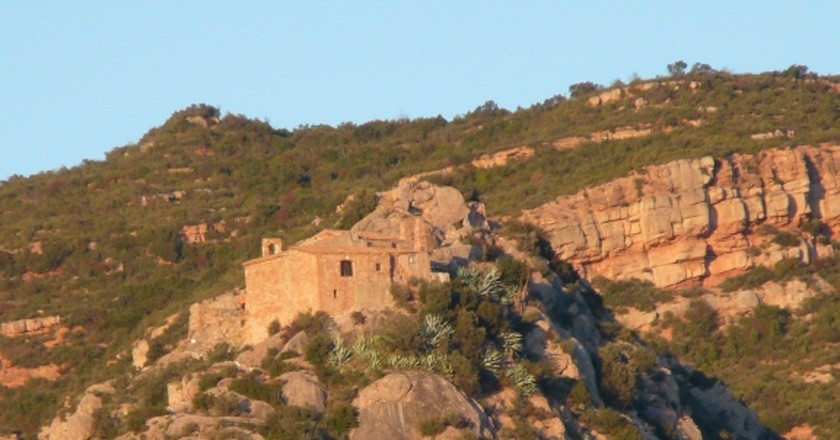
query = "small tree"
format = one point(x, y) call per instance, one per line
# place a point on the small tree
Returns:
point(582, 88)
point(677, 68)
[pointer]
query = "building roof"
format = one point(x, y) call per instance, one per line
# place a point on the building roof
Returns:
point(335, 241)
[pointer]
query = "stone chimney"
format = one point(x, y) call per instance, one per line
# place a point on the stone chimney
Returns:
point(271, 246)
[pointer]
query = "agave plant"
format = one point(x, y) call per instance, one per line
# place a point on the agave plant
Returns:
point(512, 342)
point(436, 330)
point(340, 354)
point(492, 361)
point(397, 361)
point(487, 284)
point(468, 276)
point(524, 381)
point(365, 347)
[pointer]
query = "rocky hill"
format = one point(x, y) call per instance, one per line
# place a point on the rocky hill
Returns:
point(701, 206)
point(478, 358)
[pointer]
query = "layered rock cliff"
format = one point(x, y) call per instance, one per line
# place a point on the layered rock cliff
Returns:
point(700, 219)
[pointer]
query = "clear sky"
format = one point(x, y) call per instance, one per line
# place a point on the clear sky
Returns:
point(78, 78)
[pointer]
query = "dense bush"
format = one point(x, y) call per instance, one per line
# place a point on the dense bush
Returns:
point(640, 294)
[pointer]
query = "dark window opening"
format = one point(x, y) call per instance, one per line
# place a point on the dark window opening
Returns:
point(335, 293)
point(346, 268)
point(378, 267)
point(393, 245)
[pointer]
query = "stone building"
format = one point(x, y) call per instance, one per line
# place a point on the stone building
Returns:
point(335, 271)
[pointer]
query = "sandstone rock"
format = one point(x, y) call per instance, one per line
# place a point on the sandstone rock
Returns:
point(689, 429)
point(569, 142)
point(180, 394)
point(395, 405)
point(139, 352)
point(16, 328)
point(297, 343)
point(254, 356)
point(15, 377)
point(607, 96)
point(640, 103)
point(439, 207)
point(195, 427)
point(79, 425)
point(303, 389)
point(695, 219)
point(502, 158)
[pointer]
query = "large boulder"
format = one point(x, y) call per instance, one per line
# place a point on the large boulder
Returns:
point(78, 425)
point(395, 406)
point(442, 209)
point(302, 389)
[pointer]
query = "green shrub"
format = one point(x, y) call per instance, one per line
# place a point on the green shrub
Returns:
point(753, 278)
point(579, 395)
point(640, 294)
point(436, 425)
point(274, 327)
point(342, 418)
point(135, 420)
point(221, 352)
point(611, 423)
point(311, 323)
point(293, 423)
point(616, 376)
point(436, 299)
point(786, 239)
point(251, 385)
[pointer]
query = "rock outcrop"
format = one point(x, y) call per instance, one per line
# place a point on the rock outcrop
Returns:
point(79, 425)
point(13, 376)
point(395, 405)
point(695, 219)
point(302, 389)
point(502, 158)
point(22, 326)
point(446, 215)
point(731, 306)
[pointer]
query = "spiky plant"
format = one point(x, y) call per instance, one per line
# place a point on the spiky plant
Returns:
point(493, 361)
point(513, 343)
point(436, 330)
point(524, 381)
point(340, 354)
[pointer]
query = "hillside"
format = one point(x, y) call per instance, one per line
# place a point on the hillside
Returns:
point(113, 248)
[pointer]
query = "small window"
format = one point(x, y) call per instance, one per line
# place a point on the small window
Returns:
point(393, 245)
point(346, 268)
point(378, 267)
point(335, 293)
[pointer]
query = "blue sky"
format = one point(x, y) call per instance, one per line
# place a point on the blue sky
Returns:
point(78, 78)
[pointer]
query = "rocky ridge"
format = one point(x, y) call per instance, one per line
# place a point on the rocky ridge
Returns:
point(401, 400)
point(697, 219)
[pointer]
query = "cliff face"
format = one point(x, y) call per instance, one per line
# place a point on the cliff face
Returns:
point(698, 219)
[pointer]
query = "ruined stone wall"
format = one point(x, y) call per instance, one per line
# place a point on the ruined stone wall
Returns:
point(697, 219)
point(217, 320)
point(280, 287)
